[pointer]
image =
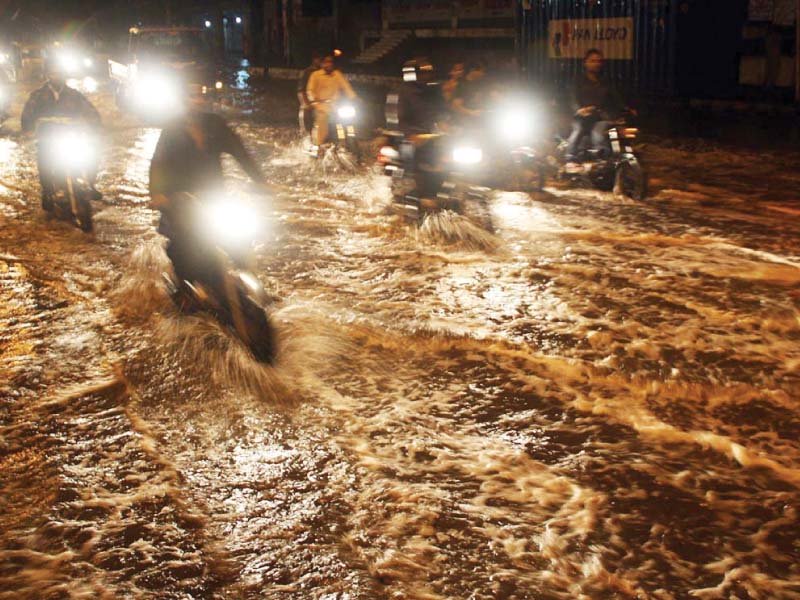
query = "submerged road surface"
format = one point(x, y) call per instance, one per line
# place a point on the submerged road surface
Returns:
point(599, 401)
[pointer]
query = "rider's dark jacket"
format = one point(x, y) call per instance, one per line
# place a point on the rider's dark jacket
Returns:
point(50, 101)
point(188, 156)
point(419, 107)
point(596, 93)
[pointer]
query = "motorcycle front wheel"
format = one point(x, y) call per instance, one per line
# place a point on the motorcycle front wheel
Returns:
point(630, 180)
point(474, 205)
point(259, 334)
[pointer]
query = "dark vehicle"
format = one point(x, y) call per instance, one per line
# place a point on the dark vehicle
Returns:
point(449, 180)
point(68, 153)
point(221, 236)
point(158, 64)
point(621, 171)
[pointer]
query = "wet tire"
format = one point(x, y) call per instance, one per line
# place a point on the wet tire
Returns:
point(260, 332)
point(84, 216)
point(345, 161)
point(475, 207)
point(630, 181)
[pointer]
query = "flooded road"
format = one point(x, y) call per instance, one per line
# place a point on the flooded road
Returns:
point(600, 402)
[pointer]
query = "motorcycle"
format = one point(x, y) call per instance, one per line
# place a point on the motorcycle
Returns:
point(433, 173)
point(68, 153)
point(210, 245)
point(621, 172)
point(341, 144)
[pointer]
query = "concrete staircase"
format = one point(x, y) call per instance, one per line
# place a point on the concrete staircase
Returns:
point(390, 40)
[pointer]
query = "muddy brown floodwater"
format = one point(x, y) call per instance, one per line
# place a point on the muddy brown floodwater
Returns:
point(600, 401)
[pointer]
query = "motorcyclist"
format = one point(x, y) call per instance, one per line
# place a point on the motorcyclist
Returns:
point(420, 102)
point(188, 160)
point(306, 112)
point(595, 103)
point(420, 106)
point(325, 87)
point(450, 86)
point(470, 96)
point(56, 100)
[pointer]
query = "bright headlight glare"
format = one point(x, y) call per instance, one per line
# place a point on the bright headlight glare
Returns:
point(347, 111)
point(68, 62)
point(232, 221)
point(90, 84)
point(87, 62)
point(3, 59)
point(515, 123)
point(218, 85)
point(71, 150)
point(157, 93)
point(467, 155)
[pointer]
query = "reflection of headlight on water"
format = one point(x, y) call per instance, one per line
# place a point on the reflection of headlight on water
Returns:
point(87, 84)
point(71, 150)
point(231, 222)
point(467, 155)
point(157, 93)
point(346, 112)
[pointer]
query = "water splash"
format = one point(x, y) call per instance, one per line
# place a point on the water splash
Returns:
point(451, 229)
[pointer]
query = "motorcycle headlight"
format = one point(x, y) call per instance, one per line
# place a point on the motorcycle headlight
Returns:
point(158, 94)
point(87, 62)
point(516, 124)
point(348, 111)
point(71, 150)
point(69, 62)
point(232, 222)
point(467, 155)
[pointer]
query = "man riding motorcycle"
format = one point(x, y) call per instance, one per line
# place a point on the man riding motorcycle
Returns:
point(325, 87)
point(188, 159)
point(56, 100)
point(420, 106)
point(595, 103)
point(470, 97)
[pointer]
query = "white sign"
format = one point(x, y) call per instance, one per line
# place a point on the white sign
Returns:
point(572, 38)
